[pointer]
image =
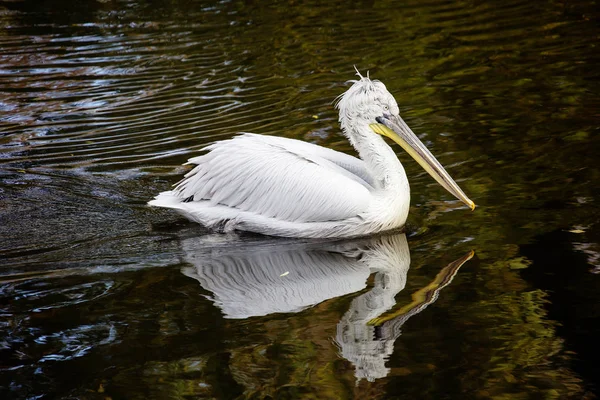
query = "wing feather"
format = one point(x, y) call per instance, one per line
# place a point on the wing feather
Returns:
point(352, 164)
point(280, 178)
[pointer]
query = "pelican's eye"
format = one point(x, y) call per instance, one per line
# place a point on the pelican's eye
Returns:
point(386, 111)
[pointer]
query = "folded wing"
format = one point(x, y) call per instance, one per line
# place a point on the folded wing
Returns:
point(280, 178)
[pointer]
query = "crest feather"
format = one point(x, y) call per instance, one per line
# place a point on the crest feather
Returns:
point(364, 85)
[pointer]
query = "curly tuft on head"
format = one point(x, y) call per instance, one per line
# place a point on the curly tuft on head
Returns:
point(364, 86)
point(358, 72)
point(362, 91)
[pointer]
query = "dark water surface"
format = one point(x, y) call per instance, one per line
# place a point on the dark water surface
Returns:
point(102, 297)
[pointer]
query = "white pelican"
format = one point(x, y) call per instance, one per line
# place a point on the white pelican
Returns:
point(285, 187)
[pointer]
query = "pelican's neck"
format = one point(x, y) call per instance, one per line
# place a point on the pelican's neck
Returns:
point(380, 159)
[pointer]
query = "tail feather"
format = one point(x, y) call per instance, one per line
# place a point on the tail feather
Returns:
point(214, 217)
point(167, 199)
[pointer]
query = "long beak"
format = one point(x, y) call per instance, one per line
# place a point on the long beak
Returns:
point(397, 130)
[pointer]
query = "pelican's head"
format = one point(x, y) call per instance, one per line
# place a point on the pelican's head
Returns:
point(364, 101)
point(369, 104)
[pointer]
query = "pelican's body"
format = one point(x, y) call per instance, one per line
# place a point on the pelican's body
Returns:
point(285, 187)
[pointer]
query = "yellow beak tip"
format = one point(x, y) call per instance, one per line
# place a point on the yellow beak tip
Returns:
point(472, 206)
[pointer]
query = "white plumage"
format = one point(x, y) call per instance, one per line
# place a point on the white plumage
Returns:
point(286, 187)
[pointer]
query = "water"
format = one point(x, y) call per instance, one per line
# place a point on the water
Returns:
point(102, 297)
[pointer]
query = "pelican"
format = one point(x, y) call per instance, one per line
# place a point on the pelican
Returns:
point(285, 187)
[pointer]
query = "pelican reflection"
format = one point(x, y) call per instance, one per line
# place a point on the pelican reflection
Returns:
point(257, 278)
point(366, 333)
